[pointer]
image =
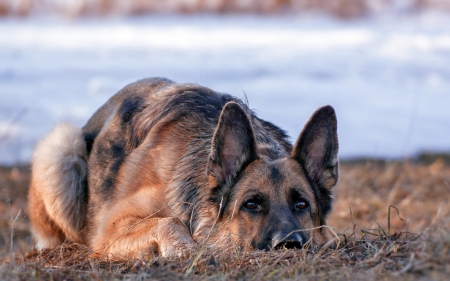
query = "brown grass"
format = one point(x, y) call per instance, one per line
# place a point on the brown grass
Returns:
point(414, 244)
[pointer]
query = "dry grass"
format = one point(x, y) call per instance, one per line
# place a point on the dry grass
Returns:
point(370, 246)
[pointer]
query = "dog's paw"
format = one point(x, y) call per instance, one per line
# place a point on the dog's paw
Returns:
point(175, 241)
point(179, 250)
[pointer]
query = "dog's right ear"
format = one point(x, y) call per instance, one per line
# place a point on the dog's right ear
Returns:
point(317, 148)
point(233, 147)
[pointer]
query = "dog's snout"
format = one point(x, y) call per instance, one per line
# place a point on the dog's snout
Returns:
point(287, 240)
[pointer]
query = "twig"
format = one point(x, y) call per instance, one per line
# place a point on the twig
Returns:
point(438, 214)
point(13, 222)
point(4, 136)
point(409, 266)
point(389, 217)
point(234, 208)
point(380, 228)
point(202, 249)
point(354, 231)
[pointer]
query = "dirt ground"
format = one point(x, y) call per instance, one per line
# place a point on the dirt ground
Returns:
point(391, 219)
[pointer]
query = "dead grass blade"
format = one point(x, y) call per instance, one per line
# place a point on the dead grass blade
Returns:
point(203, 247)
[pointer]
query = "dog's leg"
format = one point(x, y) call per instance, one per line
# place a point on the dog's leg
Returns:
point(138, 238)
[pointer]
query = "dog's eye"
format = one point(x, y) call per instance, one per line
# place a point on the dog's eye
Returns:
point(251, 205)
point(301, 204)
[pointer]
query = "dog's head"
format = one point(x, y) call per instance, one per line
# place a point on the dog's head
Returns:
point(265, 203)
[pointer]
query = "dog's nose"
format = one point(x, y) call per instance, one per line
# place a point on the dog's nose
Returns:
point(287, 240)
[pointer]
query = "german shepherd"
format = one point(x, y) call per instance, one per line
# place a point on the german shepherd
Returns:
point(162, 167)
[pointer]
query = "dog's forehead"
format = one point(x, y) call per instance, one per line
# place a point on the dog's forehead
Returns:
point(286, 173)
point(281, 175)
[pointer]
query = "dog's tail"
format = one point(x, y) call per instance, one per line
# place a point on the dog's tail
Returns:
point(58, 190)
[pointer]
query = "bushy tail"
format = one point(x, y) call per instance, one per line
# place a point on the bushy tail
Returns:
point(58, 187)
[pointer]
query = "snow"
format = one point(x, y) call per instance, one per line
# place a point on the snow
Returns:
point(388, 79)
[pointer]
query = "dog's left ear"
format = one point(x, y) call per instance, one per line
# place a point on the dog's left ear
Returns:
point(233, 147)
point(317, 147)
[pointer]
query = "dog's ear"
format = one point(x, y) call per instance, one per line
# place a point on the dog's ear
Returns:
point(317, 147)
point(233, 147)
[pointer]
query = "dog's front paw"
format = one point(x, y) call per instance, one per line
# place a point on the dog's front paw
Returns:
point(179, 249)
point(175, 239)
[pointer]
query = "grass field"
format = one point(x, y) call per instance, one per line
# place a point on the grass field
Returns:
point(391, 220)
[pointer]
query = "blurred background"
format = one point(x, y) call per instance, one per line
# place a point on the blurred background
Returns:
point(383, 64)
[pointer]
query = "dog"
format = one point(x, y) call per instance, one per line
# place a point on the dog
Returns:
point(162, 167)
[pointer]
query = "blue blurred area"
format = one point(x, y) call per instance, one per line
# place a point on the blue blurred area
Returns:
point(387, 77)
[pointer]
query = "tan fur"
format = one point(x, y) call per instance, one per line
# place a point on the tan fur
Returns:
point(57, 188)
point(124, 237)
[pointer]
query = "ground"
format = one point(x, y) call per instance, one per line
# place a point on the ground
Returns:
point(391, 221)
